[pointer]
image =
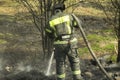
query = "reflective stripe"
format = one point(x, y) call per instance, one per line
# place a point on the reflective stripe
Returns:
point(76, 72)
point(61, 20)
point(61, 76)
point(66, 36)
point(75, 23)
point(48, 30)
point(65, 42)
point(69, 28)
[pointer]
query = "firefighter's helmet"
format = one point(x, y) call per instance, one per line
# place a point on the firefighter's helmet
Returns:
point(59, 6)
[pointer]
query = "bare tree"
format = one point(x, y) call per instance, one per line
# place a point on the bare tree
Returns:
point(41, 11)
point(114, 19)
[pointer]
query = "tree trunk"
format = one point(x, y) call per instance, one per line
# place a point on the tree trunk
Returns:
point(118, 57)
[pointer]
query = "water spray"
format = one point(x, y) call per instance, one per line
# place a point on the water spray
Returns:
point(49, 64)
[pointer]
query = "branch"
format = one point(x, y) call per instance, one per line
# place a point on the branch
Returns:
point(26, 4)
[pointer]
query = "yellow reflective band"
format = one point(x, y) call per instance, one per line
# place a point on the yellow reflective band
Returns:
point(76, 72)
point(48, 30)
point(69, 28)
point(65, 42)
point(66, 36)
point(55, 34)
point(59, 20)
point(61, 76)
point(75, 23)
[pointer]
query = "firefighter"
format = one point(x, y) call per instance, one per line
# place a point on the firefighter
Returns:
point(61, 29)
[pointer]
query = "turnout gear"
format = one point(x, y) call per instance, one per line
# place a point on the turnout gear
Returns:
point(61, 30)
point(69, 50)
point(61, 26)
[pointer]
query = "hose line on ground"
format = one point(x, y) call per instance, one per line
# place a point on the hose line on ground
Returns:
point(90, 49)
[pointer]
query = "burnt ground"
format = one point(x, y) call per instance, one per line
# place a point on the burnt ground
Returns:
point(23, 64)
point(21, 58)
point(89, 72)
point(37, 72)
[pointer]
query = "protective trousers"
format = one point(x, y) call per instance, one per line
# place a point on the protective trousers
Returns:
point(69, 50)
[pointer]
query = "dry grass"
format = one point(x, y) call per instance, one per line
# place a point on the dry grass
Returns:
point(10, 7)
point(7, 10)
point(89, 11)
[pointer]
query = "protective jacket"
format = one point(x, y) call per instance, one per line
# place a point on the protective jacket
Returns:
point(61, 28)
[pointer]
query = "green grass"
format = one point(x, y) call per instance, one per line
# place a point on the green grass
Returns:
point(83, 51)
point(99, 44)
point(5, 36)
point(9, 35)
point(112, 58)
point(3, 41)
point(109, 47)
point(95, 37)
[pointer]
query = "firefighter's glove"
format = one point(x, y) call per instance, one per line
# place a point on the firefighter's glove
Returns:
point(50, 33)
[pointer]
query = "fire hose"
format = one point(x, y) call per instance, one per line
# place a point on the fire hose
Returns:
point(90, 49)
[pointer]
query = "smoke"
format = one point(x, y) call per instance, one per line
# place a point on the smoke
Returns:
point(2, 63)
point(22, 67)
point(18, 68)
point(28, 67)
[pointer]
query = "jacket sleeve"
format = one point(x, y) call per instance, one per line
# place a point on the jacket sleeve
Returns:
point(74, 22)
point(49, 32)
